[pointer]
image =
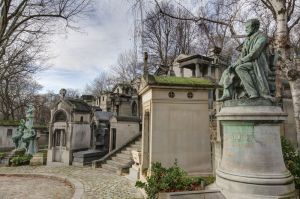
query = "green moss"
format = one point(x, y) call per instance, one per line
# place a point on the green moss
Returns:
point(40, 126)
point(9, 123)
point(2, 155)
point(183, 81)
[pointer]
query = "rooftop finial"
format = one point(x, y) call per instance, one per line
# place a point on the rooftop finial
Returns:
point(62, 93)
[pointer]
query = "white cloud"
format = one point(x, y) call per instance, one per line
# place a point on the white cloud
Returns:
point(82, 55)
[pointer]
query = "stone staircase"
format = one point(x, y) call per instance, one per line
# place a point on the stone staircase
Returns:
point(121, 162)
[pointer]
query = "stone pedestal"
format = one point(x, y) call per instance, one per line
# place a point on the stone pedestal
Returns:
point(134, 171)
point(38, 159)
point(252, 164)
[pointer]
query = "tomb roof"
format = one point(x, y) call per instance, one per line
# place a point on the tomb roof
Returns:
point(128, 118)
point(180, 81)
point(191, 57)
point(9, 123)
point(103, 116)
point(78, 105)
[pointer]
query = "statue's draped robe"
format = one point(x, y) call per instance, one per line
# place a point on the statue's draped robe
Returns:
point(254, 51)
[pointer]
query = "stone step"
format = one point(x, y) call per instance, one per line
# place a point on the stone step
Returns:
point(109, 167)
point(138, 142)
point(131, 149)
point(124, 155)
point(120, 159)
point(134, 146)
point(117, 164)
point(128, 152)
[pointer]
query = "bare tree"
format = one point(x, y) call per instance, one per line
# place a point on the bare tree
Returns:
point(103, 82)
point(15, 95)
point(127, 68)
point(42, 109)
point(23, 25)
point(73, 93)
point(19, 18)
point(286, 13)
point(165, 37)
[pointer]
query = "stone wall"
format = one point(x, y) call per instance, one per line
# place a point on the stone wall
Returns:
point(81, 136)
point(6, 138)
point(125, 130)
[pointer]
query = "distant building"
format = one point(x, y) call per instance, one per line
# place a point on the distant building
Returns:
point(89, 99)
point(123, 100)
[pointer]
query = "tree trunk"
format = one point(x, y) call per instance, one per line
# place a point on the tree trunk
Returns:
point(283, 48)
point(281, 39)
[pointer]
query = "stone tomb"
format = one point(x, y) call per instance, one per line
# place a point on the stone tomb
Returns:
point(69, 130)
point(176, 123)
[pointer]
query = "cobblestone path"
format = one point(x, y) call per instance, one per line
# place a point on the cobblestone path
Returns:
point(30, 188)
point(97, 183)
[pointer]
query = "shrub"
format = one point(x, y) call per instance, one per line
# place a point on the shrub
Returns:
point(291, 159)
point(21, 160)
point(209, 180)
point(2, 155)
point(168, 180)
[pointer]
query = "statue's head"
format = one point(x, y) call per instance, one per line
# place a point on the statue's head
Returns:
point(252, 26)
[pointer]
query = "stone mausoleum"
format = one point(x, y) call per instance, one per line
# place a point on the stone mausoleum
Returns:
point(176, 123)
point(69, 129)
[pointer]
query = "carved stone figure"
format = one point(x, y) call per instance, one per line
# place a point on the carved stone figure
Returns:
point(29, 136)
point(26, 135)
point(30, 142)
point(17, 137)
point(251, 69)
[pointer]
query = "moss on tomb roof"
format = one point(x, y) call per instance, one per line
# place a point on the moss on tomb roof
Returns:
point(9, 123)
point(182, 81)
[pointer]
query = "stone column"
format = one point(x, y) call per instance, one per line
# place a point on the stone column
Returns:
point(193, 73)
point(209, 71)
point(181, 72)
point(197, 69)
point(252, 163)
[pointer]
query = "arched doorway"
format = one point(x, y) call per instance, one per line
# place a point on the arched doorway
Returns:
point(59, 137)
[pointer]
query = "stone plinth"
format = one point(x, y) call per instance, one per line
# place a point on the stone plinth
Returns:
point(134, 171)
point(38, 159)
point(252, 164)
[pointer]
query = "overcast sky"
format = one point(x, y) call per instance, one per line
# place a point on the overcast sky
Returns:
point(78, 57)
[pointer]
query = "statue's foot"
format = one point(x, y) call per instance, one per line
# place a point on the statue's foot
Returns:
point(224, 98)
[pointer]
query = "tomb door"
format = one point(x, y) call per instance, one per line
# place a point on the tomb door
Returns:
point(59, 143)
